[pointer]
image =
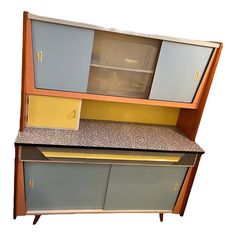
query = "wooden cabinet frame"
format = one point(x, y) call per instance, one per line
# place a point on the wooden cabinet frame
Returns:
point(188, 120)
point(28, 82)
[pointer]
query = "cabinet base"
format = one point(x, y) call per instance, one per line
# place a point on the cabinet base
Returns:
point(38, 214)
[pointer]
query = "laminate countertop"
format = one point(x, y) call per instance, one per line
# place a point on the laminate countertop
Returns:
point(114, 135)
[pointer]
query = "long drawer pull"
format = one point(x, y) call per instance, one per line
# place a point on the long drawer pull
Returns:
point(101, 156)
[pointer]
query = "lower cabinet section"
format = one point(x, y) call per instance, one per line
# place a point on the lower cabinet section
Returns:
point(59, 186)
point(76, 186)
point(144, 187)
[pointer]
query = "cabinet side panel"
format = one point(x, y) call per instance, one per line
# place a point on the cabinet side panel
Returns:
point(27, 67)
point(189, 120)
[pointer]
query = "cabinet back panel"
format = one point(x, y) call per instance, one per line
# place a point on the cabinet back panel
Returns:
point(126, 112)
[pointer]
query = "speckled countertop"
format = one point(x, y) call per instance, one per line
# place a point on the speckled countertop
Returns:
point(109, 134)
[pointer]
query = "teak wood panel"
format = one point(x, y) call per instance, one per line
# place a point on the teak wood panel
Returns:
point(27, 67)
point(29, 84)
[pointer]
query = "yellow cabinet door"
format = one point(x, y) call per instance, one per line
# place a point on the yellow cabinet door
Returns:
point(53, 112)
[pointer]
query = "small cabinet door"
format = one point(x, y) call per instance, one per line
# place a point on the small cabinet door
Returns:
point(179, 71)
point(144, 187)
point(53, 112)
point(62, 56)
point(57, 186)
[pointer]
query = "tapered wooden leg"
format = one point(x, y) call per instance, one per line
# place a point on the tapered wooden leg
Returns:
point(161, 216)
point(36, 218)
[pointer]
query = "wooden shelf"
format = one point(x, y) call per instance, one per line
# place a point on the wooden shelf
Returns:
point(122, 69)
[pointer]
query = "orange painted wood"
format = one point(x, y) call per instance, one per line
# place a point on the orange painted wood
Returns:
point(34, 91)
point(19, 192)
point(189, 120)
point(23, 98)
point(27, 67)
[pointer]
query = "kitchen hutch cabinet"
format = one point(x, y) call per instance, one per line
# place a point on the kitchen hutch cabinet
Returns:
point(108, 119)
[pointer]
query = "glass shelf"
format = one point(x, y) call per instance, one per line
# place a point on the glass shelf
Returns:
point(122, 65)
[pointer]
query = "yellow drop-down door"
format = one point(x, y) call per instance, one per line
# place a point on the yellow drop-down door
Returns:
point(53, 112)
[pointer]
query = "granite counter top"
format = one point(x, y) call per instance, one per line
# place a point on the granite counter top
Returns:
point(109, 134)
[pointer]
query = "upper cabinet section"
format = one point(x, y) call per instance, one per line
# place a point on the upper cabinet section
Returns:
point(122, 65)
point(82, 61)
point(61, 56)
point(179, 71)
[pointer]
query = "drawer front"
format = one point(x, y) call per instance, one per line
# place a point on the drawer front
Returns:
point(75, 155)
point(144, 188)
point(59, 186)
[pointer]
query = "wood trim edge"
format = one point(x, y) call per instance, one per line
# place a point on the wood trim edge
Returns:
point(19, 192)
point(186, 189)
point(88, 211)
point(23, 86)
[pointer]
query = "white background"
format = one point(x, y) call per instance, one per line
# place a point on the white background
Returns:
point(211, 206)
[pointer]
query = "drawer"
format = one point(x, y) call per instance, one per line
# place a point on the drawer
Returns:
point(55, 154)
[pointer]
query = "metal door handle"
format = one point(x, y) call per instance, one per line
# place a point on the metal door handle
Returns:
point(39, 56)
point(176, 187)
point(72, 114)
point(31, 183)
point(196, 78)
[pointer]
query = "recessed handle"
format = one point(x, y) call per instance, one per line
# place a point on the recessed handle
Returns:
point(39, 56)
point(196, 78)
point(31, 183)
point(72, 114)
point(176, 187)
